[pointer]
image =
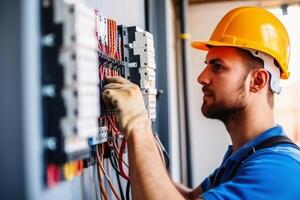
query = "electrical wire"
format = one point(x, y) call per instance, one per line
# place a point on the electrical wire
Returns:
point(115, 159)
point(120, 185)
point(105, 174)
point(128, 191)
point(164, 154)
point(120, 160)
point(113, 162)
point(118, 153)
point(113, 125)
point(103, 191)
point(95, 170)
point(160, 152)
point(104, 194)
point(167, 159)
point(102, 188)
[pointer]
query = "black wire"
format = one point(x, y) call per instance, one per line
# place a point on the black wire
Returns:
point(128, 191)
point(120, 186)
point(114, 165)
point(117, 175)
point(167, 159)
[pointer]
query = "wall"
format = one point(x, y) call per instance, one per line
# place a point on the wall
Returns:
point(127, 12)
point(209, 138)
point(287, 108)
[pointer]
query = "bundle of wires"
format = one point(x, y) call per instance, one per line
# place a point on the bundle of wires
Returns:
point(101, 170)
point(115, 160)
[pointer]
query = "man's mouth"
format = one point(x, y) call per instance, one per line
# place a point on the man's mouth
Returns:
point(207, 92)
point(206, 96)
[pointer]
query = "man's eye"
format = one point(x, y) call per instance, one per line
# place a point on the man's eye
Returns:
point(217, 66)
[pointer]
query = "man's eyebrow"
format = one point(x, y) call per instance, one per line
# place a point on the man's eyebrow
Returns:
point(212, 61)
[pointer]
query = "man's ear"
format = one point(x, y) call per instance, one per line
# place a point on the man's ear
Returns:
point(259, 79)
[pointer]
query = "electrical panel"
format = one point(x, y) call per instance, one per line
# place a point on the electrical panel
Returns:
point(140, 64)
point(80, 47)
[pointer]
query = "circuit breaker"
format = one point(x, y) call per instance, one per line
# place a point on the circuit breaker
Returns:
point(80, 47)
point(140, 64)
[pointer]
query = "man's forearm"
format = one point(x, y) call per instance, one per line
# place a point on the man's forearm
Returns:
point(149, 177)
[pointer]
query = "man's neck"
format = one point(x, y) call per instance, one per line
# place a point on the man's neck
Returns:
point(247, 125)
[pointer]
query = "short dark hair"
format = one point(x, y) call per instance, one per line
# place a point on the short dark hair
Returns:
point(253, 62)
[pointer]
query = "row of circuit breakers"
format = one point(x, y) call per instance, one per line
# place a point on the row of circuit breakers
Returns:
point(80, 47)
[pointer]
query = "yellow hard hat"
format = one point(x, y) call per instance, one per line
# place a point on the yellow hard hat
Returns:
point(252, 28)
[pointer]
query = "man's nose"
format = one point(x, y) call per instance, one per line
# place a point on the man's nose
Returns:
point(203, 77)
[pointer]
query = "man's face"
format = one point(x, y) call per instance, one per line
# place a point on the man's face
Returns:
point(224, 83)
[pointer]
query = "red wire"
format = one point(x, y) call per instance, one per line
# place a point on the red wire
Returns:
point(115, 122)
point(112, 123)
point(107, 124)
point(102, 71)
point(118, 152)
point(120, 159)
point(116, 147)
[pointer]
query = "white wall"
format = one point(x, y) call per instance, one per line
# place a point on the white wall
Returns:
point(209, 138)
point(126, 12)
point(287, 108)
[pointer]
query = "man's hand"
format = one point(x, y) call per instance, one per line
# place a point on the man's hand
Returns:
point(127, 101)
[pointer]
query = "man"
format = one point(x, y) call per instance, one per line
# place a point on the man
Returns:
point(247, 54)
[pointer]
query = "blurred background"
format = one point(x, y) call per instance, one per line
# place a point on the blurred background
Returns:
point(195, 144)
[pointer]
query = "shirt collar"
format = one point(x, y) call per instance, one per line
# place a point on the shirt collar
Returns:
point(238, 155)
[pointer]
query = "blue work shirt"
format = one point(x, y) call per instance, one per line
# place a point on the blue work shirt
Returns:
point(270, 173)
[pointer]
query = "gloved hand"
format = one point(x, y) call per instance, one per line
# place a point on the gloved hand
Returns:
point(126, 99)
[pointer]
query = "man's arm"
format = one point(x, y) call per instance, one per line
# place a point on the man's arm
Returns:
point(149, 178)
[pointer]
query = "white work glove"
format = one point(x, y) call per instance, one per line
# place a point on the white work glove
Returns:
point(126, 99)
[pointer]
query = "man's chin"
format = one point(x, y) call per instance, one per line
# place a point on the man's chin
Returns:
point(211, 112)
point(220, 113)
point(206, 111)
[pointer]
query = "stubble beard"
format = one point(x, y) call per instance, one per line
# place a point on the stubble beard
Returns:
point(227, 109)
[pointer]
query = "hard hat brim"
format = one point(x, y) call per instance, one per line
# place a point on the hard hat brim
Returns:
point(204, 45)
